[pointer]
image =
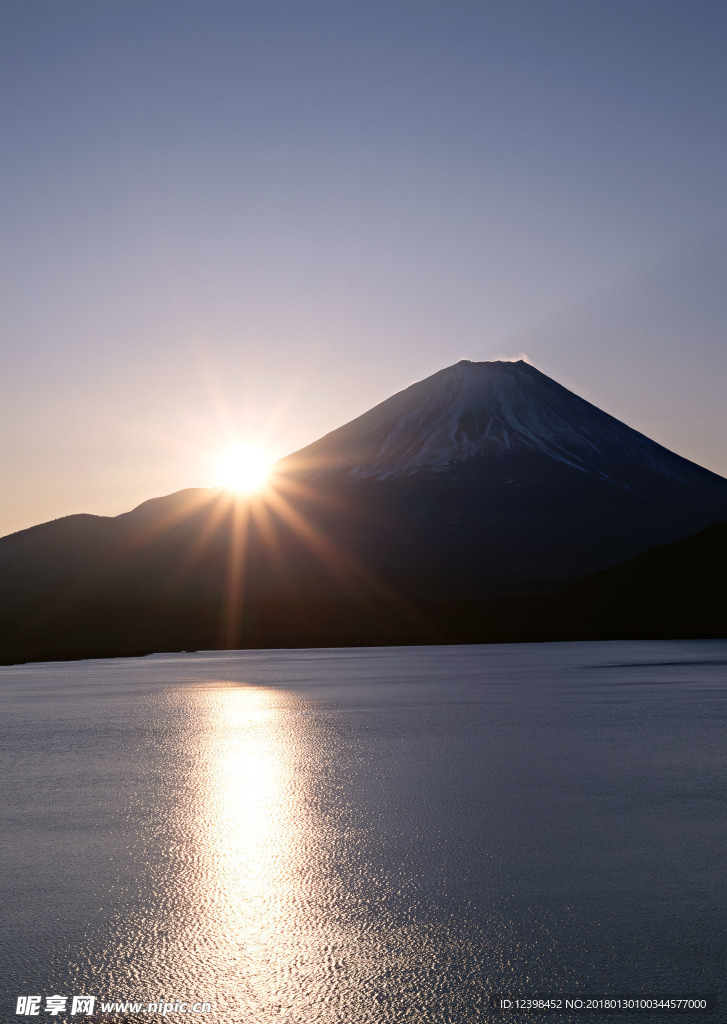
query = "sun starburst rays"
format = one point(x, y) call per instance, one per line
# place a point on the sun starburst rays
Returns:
point(251, 562)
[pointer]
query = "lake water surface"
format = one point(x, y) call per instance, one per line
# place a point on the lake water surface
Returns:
point(368, 835)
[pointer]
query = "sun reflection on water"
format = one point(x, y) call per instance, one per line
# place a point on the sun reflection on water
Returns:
point(248, 847)
point(289, 939)
point(234, 836)
point(294, 918)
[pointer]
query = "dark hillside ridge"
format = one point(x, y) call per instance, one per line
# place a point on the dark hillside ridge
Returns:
point(670, 592)
point(674, 590)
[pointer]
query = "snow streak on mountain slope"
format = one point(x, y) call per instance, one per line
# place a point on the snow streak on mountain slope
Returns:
point(487, 409)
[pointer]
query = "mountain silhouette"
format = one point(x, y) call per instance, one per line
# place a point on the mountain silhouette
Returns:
point(456, 509)
point(494, 473)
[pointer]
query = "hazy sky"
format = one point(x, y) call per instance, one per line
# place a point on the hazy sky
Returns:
point(228, 219)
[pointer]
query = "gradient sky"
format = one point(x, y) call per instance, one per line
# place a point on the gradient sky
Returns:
point(234, 219)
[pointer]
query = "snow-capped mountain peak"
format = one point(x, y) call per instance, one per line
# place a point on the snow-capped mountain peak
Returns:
point(483, 410)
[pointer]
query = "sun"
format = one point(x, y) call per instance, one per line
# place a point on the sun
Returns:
point(243, 468)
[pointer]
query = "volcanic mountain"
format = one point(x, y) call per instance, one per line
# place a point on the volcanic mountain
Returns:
point(484, 484)
point(496, 411)
point(493, 473)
